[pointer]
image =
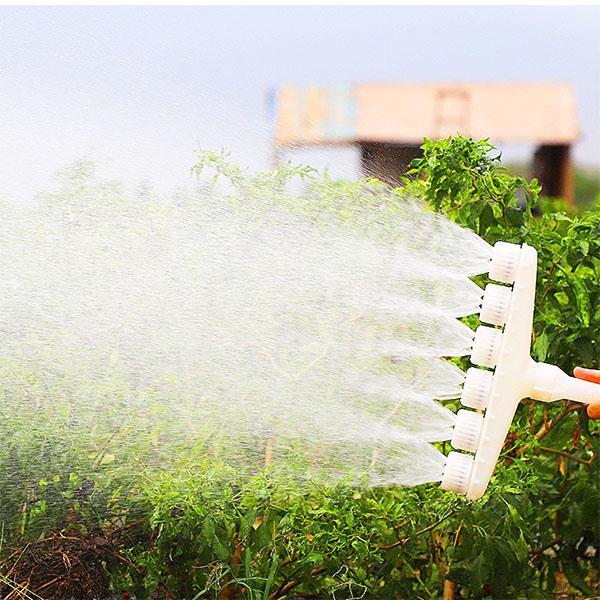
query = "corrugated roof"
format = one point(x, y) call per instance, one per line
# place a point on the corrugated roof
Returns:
point(542, 113)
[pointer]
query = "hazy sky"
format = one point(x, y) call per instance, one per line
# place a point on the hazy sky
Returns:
point(139, 88)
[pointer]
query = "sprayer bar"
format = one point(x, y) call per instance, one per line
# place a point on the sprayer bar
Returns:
point(516, 374)
point(508, 382)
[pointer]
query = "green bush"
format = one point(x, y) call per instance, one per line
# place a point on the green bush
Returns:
point(586, 182)
point(203, 531)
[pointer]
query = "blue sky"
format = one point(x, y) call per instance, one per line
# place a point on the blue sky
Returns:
point(139, 88)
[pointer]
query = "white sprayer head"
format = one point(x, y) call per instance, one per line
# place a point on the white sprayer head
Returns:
point(515, 376)
point(505, 260)
point(496, 300)
point(477, 388)
point(457, 472)
point(467, 430)
point(486, 347)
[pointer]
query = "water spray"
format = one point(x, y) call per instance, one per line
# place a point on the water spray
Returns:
point(505, 373)
point(298, 339)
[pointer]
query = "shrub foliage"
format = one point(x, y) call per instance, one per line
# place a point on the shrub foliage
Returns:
point(198, 531)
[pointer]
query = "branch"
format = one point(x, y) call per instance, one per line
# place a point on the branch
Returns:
point(284, 589)
point(48, 584)
point(421, 532)
point(545, 547)
point(548, 427)
point(566, 455)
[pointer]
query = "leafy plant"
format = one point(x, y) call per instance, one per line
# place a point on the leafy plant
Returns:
point(199, 529)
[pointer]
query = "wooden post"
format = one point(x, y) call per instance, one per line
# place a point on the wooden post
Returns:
point(552, 167)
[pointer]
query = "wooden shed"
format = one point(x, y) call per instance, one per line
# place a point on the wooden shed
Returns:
point(389, 121)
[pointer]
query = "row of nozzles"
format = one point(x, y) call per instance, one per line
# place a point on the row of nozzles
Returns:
point(478, 382)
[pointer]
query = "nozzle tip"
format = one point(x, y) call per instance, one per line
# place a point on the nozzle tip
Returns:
point(486, 346)
point(457, 472)
point(496, 301)
point(467, 430)
point(477, 388)
point(505, 258)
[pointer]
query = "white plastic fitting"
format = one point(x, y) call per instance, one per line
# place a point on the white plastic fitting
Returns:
point(486, 347)
point(457, 472)
point(467, 430)
point(516, 375)
point(477, 388)
point(505, 259)
point(496, 300)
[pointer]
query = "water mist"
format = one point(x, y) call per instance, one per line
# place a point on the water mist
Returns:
point(284, 326)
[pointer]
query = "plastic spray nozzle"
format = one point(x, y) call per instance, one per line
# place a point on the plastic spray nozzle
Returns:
point(496, 300)
point(515, 376)
point(477, 388)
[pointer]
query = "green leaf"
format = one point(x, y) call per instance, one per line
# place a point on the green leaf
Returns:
point(514, 216)
point(486, 218)
point(540, 346)
point(582, 298)
point(562, 298)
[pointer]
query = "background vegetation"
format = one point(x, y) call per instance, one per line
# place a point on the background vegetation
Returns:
point(586, 185)
point(82, 523)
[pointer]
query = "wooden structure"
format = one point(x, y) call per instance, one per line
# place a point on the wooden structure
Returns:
point(389, 121)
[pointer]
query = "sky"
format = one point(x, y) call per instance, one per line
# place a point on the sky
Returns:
point(138, 89)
